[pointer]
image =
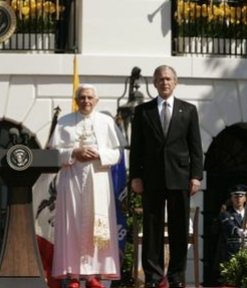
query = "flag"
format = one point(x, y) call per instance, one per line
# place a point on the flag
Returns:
point(119, 179)
point(44, 198)
point(120, 191)
point(76, 83)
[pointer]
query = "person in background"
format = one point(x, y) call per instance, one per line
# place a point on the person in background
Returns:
point(86, 235)
point(232, 227)
point(166, 164)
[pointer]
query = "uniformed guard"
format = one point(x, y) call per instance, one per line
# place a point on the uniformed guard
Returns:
point(233, 223)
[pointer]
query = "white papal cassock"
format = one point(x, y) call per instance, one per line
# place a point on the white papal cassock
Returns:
point(85, 222)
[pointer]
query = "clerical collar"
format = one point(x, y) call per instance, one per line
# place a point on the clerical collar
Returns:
point(86, 116)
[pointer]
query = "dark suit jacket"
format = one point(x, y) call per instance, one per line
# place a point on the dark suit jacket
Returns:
point(230, 239)
point(166, 162)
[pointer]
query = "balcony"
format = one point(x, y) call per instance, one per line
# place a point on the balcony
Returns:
point(199, 27)
point(213, 28)
point(39, 26)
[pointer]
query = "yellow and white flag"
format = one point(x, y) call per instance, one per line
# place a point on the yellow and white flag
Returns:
point(76, 83)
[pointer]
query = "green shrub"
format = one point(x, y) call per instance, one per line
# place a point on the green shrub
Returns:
point(234, 271)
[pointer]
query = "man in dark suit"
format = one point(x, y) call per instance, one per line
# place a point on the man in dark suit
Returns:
point(166, 164)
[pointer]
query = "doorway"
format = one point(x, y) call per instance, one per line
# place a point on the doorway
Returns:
point(6, 129)
point(225, 165)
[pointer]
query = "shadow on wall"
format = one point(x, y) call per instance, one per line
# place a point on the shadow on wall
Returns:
point(226, 165)
point(164, 10)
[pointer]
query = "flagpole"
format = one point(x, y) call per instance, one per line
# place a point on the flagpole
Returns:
point(57, 9)
point(57, 110)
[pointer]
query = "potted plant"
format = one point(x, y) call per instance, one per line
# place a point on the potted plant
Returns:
point(211, 27)
point(36, 24)
point(234, 272)
point(36, 16)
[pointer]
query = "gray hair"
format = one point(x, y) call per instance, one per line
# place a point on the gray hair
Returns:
point(162, 68)
point(86, 86)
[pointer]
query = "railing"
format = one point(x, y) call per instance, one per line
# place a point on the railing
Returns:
point(209, 28)
point(47, 26)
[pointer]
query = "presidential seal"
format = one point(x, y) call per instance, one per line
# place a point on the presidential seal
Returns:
point(19, 157)
point(7, 21)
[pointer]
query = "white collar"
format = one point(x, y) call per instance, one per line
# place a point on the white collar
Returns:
point(169, 100)
point(240, 211)
point(88, 116)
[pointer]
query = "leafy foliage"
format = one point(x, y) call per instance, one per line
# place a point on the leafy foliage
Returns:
point(36, 16)
point(219, 20)
point(127, 280)
point(234, 271)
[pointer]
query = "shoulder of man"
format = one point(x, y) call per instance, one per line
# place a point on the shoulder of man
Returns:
point(148, 104)
point(67, 118)
point(186, 106)
point(104, 114)
point(184, 103)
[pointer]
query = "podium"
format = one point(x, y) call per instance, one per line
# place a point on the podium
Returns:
point(20, 262)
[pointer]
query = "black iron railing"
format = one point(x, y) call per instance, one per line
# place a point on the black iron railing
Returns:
point(209, 27)
point(42, 25)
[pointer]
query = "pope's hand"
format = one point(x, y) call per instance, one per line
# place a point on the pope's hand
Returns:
point(85, 154)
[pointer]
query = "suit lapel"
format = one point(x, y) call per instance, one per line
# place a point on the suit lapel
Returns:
point(153, 116)
point(176, 114)
point(238, 219)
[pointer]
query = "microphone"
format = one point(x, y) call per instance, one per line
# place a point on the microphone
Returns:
point(14, 135)
point(26, 135)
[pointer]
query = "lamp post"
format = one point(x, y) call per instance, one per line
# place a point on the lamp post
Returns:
point(124, 117)
point(125, 112)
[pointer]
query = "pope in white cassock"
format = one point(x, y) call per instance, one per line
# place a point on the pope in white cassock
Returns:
point(86, 240)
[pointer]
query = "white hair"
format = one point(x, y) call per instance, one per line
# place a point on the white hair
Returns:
point(86, 86)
